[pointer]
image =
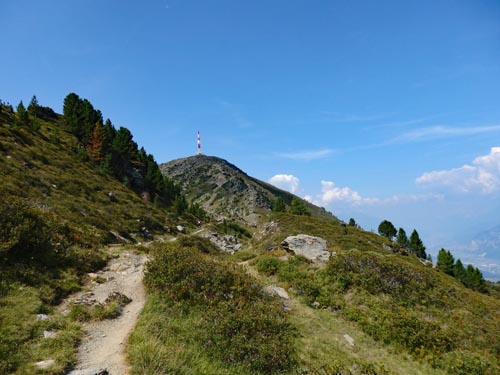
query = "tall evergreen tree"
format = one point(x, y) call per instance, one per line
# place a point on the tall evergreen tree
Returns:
point(72, 112)
point(124, 150)
point(474, 279)
point(95, 147)
point(387, 229)
point(297, 207)
point(416, 245)
point(445, 262)
point(22, 117)
point(352, 222)
point(33, 106)
point(402, 239)
point(279, 205)
point(459, 271)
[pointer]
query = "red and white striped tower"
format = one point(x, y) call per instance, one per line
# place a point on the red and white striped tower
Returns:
point(199, 144)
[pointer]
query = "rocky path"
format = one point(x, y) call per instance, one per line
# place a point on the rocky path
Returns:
point(102, 350)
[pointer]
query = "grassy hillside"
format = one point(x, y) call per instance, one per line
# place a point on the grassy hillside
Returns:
point(403, 317)
point(57, 210)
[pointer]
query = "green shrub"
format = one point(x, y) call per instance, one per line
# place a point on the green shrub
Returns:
point(268, 265)
point(201, 244)
point(23, 229)
point(255, 334)
point(186, 275)
point(80, 313)
point(241, 325)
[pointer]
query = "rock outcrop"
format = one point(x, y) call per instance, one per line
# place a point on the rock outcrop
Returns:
point(225, 191)
point(227, 242)
point(313, 248)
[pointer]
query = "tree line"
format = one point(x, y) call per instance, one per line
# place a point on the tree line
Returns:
point(470, 276)
point(113, 150)
point(116, 152)
point(413, 245)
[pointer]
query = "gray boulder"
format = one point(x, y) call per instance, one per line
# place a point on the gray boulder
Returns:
point(276, 291)
point(45, 364)
point(101, 371)
point(313, 248)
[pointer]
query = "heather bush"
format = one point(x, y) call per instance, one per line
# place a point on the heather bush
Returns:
point(241, 325)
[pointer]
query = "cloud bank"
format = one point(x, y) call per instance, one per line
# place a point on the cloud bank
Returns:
point(482, 176)
point(286, 182)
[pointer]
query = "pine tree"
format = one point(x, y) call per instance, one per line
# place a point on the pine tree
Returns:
point(95, 147)
point(387, 229)
point(279, 205)
point(297, 207)
point(72, 112)
point(445, 262)
point(402, 239)
point(459, 271)
point(33, 106)
point(416, 245)
point(22, 117)
point(352, 222)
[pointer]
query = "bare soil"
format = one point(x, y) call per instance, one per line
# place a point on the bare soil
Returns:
point(103, 344)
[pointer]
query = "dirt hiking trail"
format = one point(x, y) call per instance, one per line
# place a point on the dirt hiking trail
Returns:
point(102, 350)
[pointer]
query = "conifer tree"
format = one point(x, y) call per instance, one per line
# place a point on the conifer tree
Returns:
point(387, 229)
point(416, 245)
point(22, 117)
point(445, 262)
point(72, 112)
point(297, 207)
point(279, 205)
point(459, 271)
point(402, 239)
point(33, 106)
point(95, 147)
point(352, 222)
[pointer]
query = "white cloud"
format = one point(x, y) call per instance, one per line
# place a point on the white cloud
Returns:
point(286, 182)
point(306, 155)
point(331, 194)
point(483, 175)
point(441, 131)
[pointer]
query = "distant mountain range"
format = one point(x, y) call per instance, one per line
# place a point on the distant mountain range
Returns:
point(487, 246)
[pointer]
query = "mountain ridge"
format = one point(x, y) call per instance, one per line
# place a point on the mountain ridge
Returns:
point(226, 191)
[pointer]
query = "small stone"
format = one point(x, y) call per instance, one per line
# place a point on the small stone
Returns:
point(49, 334)
point(41, 317)
point(349, 339)
point(277, 291)
point(45, 364)
point(181, 229)
point(101, 371)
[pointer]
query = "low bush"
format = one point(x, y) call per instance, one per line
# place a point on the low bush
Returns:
point(268, 265)
point(241, 325)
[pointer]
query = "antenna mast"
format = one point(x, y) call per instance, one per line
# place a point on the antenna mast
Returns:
point(199, 144)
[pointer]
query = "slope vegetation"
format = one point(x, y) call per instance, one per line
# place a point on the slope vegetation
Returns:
point(225, 191)
point(372, 308)
point(58, 207)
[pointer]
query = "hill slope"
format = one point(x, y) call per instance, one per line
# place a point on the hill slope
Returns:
point(224, 190)
point(58, 208)
point(407, 317)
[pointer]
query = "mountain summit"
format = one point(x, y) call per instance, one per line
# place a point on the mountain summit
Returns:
point(225, 191)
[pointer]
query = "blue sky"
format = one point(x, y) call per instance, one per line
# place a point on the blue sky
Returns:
point(374, 109)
